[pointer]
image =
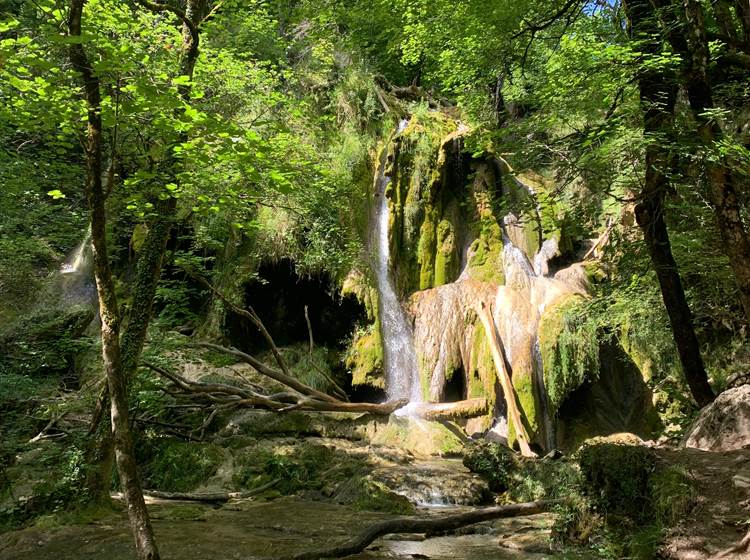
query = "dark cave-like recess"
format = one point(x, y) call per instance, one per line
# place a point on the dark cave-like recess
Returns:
point(279, 296)
point(455, 387)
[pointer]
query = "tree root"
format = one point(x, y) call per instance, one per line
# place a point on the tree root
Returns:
point(741, 547)
point(429, 526)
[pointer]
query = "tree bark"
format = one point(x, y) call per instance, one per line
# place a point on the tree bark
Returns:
point(721, 181)
point(469, 408)
point(149, 265)
point(658, 94)
point(430, 526)
point(498, 356)
point(145, 543)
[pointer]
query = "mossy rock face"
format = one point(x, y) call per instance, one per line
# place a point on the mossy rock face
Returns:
point(420, 437)
point(495, 462)
point(45, 343)
point(625, 479)
point(365, 359)
point(366, 494)
point(569, 356)
point(440, 198)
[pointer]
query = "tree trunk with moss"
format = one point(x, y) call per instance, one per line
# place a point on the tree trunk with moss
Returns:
point(149, 266)
point(108, 309)
point(658, 95)
point(685, 29)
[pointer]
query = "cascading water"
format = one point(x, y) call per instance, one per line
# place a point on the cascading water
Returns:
point(532, 279)
point(75, 282)
point(400, 358)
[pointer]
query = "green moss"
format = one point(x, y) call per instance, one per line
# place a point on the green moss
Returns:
point(486, 254)
point(425, 252)
point(617, 479)
point(570, 349)
point(522, 479)
point(530, 408)
point(368, 495)
point(446, 257)
point(365, 358)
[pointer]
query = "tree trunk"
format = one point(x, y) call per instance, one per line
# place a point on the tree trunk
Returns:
point(509, 391)
point(110, 320)
point(658, 94)
point(152, 253)
point(721, 182)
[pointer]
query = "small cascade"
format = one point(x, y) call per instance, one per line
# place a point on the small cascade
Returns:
point(76, 285)
point(520, 304)
point(400, 358)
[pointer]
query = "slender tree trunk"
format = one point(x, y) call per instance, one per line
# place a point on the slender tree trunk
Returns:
point(151, 259)
point(109, 313)
point(658, 94)
point(149, 266)
point(721, 182)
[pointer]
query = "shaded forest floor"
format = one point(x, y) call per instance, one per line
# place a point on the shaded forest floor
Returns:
point(721, 512)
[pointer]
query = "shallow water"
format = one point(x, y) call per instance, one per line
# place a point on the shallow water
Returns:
point(254, 530)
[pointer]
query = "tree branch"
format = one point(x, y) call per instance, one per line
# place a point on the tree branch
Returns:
point(429, 526)
point(159, 7)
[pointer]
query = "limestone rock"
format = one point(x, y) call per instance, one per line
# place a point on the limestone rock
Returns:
point(724, 425)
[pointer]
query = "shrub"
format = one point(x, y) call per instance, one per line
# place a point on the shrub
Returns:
point(617, 479)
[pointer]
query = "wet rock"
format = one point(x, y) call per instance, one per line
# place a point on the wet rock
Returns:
point(724, 425)
point(435, 482)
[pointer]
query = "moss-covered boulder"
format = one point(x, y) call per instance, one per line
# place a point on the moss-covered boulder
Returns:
point(364, 358)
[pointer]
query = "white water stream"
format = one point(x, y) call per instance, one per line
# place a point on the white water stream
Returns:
point(401, 369)
point(76, 284)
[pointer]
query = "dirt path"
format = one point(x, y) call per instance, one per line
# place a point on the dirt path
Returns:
point(722, 511)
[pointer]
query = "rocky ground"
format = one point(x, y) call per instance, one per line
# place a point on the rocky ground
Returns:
point(721, 511)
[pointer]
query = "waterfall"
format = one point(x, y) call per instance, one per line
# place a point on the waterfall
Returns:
point(533, 283)
point(75, 280)
point(400, 358)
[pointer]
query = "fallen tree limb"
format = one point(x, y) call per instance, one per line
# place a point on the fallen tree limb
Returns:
point(284, 378)
point(210, 497)
point(429, 526)
point(509, 391)
point(469, 408)
point(250, 314)
point(227, 397)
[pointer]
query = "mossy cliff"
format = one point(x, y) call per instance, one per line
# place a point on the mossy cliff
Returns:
point(441, 207)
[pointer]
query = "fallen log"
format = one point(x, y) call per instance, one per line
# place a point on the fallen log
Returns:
point(509, 391)
point(209, 496)
point(469, 408)
point(430, 526)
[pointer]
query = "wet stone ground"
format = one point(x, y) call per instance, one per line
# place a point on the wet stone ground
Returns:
point(254, 530)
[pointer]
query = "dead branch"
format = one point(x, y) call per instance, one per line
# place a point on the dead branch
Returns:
point(210, 497)
point(429, 526)
point(740, 548)
point(469, 408)
point(280, 376)
point(43, 433)
point(250, 314)
point(309, 330)
point(227, 397)
point(509, 391)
